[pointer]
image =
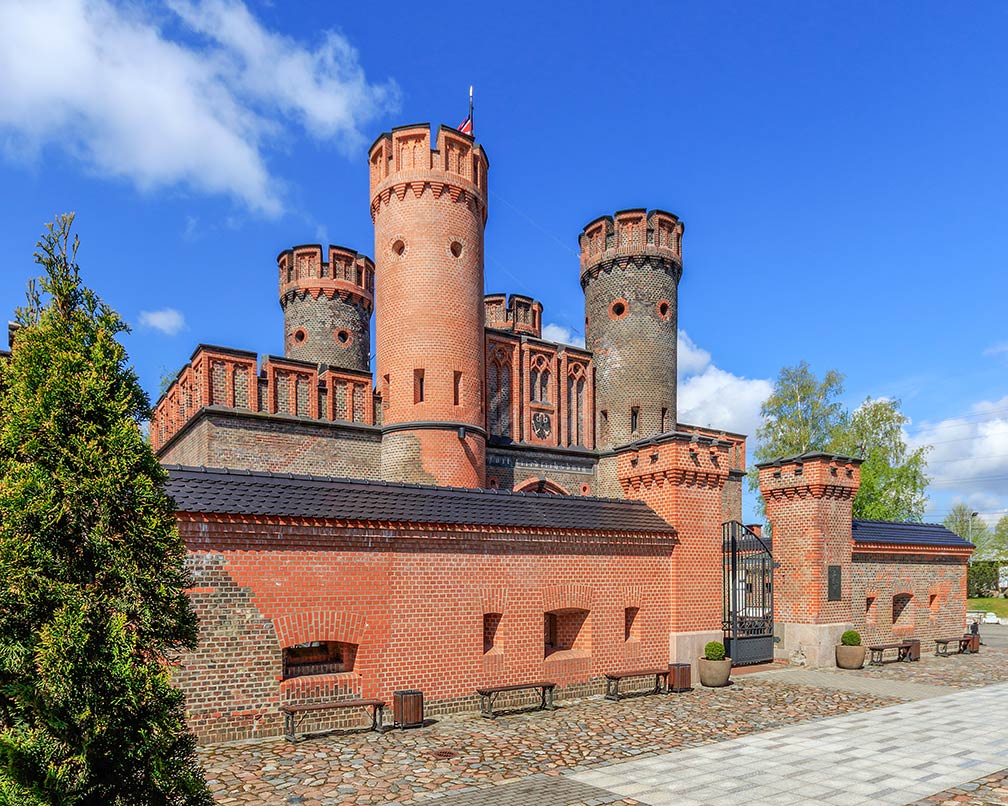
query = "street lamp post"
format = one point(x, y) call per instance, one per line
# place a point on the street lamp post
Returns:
point(972, 516)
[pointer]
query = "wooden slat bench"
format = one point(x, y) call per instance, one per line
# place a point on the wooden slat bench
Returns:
point(291, 712)
point(941, 645)
point(613, 680)
point(878, 650)
point(489, 695)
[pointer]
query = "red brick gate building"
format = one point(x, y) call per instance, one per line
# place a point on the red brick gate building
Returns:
point(486, 506)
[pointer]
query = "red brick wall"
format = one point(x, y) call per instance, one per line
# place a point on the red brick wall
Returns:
point(809, 509)
point(684, 483)
point(936, 585)
point(414, 603)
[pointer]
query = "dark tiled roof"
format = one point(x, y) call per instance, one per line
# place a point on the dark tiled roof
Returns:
point(238, 492)
point(916, 534)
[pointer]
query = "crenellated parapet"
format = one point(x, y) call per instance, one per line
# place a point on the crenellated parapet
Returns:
point(346, 274)
point(613, 241)
point(519, 314)
point(402, 161)
point(234, 379)
point(811, 475)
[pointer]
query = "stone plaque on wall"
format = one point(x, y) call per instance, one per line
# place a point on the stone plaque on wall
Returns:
point(833, 583)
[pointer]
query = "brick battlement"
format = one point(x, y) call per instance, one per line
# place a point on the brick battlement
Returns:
point(519, 314)
point(629, 234)
point(402, 161)
point(217, 376)
point(815, 475)
point(346, 274)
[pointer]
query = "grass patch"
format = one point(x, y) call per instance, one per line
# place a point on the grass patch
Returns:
point(999, 606)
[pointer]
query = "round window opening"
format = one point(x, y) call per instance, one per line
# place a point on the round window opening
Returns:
point(456, 248)
point(617, 309)
point(663, 309)
point(299, 336)
point(343, 337)
point(398, 246)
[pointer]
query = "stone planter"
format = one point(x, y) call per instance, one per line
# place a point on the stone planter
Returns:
point(715, 673)
point(850, 657)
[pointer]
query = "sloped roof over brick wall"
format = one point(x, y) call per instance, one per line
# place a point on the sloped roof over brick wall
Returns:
point(906, 534)
point(210, 491)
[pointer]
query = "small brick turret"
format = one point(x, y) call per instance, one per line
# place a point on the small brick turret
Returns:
point(630, 268)
point(519, 314)
point(429, 209)
point(327, 306)
point(808, 504)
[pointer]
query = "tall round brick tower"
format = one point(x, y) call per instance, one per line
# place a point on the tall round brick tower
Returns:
point(631, 263)
point(429, 209)
point(327, 306)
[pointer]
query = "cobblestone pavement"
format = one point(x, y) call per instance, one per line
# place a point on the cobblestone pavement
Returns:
point(958, 671)
point(991, 790)
point(527, 758)
point(465, 752)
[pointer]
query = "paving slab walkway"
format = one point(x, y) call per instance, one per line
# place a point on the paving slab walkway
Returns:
point(891, 756)
point(855, 681)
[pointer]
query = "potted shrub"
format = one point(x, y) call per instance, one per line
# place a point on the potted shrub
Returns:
point(715, 668)
point(849, 652)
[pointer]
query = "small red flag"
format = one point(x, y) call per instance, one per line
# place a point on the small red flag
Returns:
point(466, 125)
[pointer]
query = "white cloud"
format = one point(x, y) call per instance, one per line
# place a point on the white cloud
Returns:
point(562, 335)
point(691, 359)
point(999, 348)
point(167, 320)
point(969, 457)
point(103, 81)
point(711, 396)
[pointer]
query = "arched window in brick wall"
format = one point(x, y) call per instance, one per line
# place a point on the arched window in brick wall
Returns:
point(539, 379)
point(499, 378)
point(576, 405)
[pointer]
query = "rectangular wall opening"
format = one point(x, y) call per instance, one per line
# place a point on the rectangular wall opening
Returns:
point(634, 419)
point(418, 386)
point(631, 630)
point(457, 388)
point(566, 631)
point(491, 624)
point(318, 657)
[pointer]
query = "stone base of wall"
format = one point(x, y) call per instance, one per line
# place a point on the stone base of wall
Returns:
point(688, 647)
point(808, 644)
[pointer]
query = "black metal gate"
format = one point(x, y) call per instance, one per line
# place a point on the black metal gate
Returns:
point(747, 618)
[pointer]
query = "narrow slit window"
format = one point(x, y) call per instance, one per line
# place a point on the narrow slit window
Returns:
point(634, 419)
point(457, 388)
point(664, 420)
point(418, 386)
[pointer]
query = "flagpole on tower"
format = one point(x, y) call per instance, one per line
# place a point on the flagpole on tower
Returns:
point(471, 122)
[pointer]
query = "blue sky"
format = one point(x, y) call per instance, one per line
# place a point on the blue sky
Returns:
point(840, 169)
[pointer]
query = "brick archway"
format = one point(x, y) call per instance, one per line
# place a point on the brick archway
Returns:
point(542, 485)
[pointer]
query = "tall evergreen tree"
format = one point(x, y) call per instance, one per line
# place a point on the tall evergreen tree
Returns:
point(92, 606)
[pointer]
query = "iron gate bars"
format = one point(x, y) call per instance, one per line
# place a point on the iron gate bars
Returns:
point(747, 580)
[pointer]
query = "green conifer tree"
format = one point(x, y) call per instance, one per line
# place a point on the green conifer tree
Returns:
point(92, 606)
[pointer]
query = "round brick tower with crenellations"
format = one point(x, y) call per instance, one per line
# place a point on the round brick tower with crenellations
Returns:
point(327, 306)
point(429, 209)
point(631, 263)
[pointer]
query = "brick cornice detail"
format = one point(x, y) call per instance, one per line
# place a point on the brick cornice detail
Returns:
point(457, 188)
point(809, 491)
point(391, 529)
